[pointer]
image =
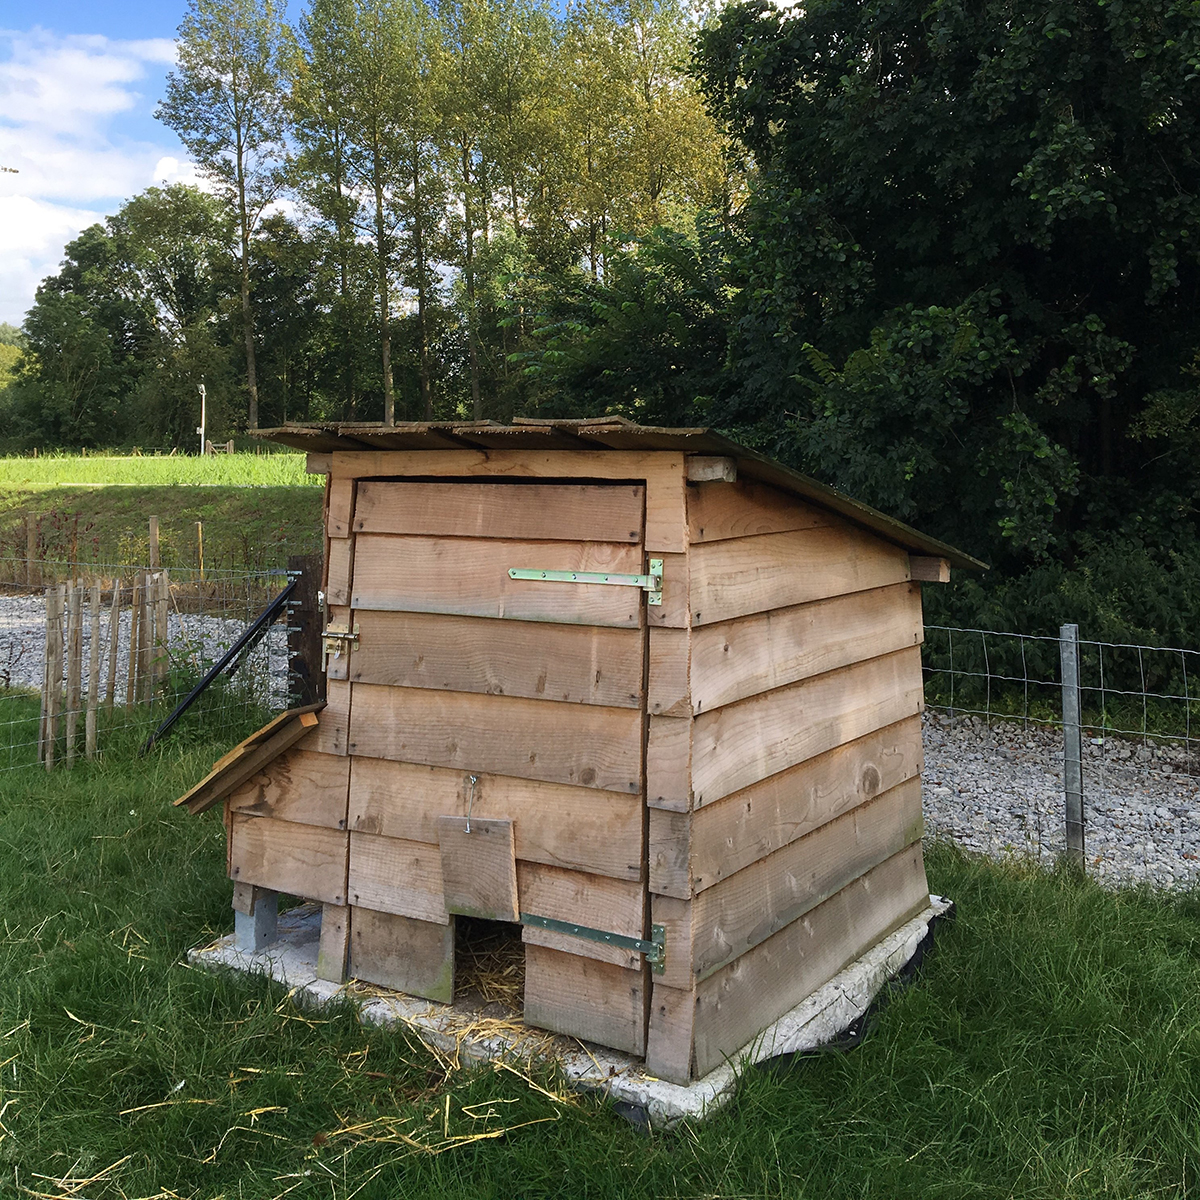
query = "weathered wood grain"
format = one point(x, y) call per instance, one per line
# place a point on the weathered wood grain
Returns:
point(531, 739)
point(614, 905)
point(585, 998)
point(534, 511)
point(331, 735)
point(748, 655)
point(301, 860)
point(668, 763)
point(667, 686)
point(395, 875)
point(412, 956)
point(748, 825)
point(333, 948)
point(557, 824)
point(745, 909)
point(745, 742)
point(717, 511)
point(300, 785)
point(674, 611)
point(479, 867)
point(469, 576)
point(339, 516)
point(741, 1000)
point(776, 570)
point(580, 664)
point(339, 568)
point(672, 1030)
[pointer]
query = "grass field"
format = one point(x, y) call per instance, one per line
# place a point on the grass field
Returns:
point(255, 508)
point(1051, 1049)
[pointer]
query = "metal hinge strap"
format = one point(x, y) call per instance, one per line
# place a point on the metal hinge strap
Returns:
point(651, 583)
point(654, 950)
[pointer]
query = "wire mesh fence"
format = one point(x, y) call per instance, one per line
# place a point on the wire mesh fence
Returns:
point(996, 747)
point(120, 646)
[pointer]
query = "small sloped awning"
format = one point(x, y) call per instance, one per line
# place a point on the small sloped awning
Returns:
point(249, 757)
point(609, 433)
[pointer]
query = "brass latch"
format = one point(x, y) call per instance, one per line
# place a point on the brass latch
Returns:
point(338, 639)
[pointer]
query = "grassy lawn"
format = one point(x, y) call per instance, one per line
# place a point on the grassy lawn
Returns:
point(1051, 1049)
point(255, 508)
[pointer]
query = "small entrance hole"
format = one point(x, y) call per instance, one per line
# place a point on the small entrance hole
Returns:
point(489, 967)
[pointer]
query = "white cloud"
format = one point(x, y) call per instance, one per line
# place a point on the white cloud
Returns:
point(67, 106)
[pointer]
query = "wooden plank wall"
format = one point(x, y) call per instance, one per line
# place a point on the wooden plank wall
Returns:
point(519, 702)
point(783, 766)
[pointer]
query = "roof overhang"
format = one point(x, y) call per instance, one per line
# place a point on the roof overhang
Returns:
point(609, 433)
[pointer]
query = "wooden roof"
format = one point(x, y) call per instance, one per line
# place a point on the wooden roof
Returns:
point(608, 433)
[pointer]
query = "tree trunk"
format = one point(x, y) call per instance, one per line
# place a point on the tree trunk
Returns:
point(422, 331)
point(472, 332)
point(248, 319)
point(385, 332)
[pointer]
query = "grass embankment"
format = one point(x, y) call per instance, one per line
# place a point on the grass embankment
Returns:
point(255, 509)
point(1052, 1048)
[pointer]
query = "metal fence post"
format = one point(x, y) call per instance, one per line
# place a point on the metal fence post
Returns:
point(1068, 642)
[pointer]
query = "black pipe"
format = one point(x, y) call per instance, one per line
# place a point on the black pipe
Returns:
point(253, 635)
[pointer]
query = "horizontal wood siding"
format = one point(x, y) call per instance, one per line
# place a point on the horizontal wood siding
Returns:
point(556, 824)
point(398, 876)
point(753, 739)
point(777, 570)
point(299, 785)
point(746, 908)
point(532, 511)
point(415, 957)
point(613, 905)
point(286, 856)
point(585, 998)
point(717, 511)
point(742, 999)
point(736, 659)
point(530, 739)
point(576, 664)
point(469, 576)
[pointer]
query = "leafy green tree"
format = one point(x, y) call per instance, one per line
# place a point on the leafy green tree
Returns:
point(225, 100)
point(966, 277)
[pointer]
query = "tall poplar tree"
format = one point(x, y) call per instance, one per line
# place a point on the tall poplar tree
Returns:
point(225, 101)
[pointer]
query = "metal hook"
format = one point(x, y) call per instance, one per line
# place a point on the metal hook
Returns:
point(474, 779)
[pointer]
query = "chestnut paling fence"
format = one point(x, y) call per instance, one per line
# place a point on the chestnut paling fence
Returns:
point(99, 654)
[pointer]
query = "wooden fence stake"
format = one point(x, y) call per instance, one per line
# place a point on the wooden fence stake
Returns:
point(54, 669)
point(74, 665)
point(135, 608)
point(1072, 741)
point(93, 692)
point(33, 577)
point(200, 547)
point(145, 639)
point(114, 644)
point(162, 662)
point(154, 543)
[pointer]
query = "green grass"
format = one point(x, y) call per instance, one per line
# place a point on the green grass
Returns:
point(1051, 1049)
point(214, 470)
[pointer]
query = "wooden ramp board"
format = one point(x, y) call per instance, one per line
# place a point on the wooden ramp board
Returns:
point(249, 757)
point(577, 664)
point(469, 576)
point(557, 824)
point(526, 511)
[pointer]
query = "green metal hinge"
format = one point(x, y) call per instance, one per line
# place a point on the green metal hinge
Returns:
point(655, 950)
point(652, 583)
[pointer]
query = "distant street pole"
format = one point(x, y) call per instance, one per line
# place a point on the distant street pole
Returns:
point(200, 428)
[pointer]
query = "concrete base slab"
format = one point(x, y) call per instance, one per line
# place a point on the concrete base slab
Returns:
point(465, 1036)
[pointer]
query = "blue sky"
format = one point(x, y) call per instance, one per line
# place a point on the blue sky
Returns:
point(78, 86)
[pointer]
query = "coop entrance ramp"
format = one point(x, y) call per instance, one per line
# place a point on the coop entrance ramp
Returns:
point(457, 1030)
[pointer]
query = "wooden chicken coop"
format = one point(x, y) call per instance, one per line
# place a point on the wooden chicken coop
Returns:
point(645, 694)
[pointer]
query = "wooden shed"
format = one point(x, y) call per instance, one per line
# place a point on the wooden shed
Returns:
point(643, 692)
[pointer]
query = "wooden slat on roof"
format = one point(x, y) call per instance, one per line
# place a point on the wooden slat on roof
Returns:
point(611, 433)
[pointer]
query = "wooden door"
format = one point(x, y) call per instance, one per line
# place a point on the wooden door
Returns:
point(516, 700)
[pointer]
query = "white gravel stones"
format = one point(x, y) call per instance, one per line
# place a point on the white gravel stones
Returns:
point(195, 639)
point(998, 791)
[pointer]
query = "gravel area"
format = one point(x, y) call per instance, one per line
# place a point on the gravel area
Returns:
point(998, 791)
point(194, 638)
